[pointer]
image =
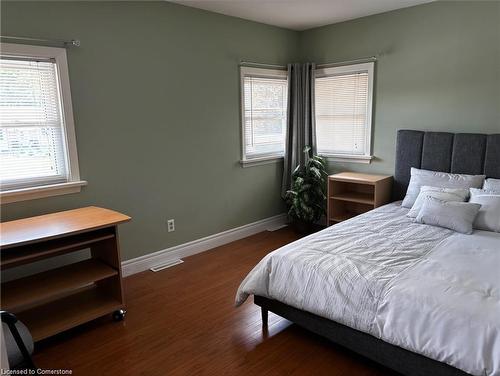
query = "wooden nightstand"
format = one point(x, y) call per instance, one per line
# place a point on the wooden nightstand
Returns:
point(352, 193)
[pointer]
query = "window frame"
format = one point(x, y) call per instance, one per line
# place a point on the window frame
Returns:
point(246, 71)
point(368, 67)
point(73, 183)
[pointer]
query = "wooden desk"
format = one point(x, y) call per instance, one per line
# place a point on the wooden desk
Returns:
point(59, 299)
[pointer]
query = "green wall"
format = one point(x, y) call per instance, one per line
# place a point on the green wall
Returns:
point(156, 99)
point(439, 69)
point(155, 89)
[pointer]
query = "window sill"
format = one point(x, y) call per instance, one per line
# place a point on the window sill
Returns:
point(349, 158)
point(260, 161)
point(32, 193)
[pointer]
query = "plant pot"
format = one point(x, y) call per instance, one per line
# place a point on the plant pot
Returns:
point(302, 227)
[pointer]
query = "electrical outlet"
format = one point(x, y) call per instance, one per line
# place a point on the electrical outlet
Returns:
point(170, 225)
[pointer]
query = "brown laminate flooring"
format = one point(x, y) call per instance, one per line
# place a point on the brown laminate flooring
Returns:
point(182, 321)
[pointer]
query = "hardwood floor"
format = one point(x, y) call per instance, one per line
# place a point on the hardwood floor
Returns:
point(182, 321)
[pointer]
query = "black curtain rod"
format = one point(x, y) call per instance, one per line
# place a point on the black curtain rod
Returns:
point(322, 65)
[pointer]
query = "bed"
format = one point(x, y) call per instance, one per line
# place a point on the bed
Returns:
point(361, 282)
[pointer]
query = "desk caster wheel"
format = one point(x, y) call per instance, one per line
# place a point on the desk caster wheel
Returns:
point(119, 315)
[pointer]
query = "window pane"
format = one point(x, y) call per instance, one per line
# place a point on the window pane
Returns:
point(31, 126)
point(265, 110)
point(342, 113)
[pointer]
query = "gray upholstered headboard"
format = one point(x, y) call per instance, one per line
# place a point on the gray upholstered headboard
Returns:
point(461, 153)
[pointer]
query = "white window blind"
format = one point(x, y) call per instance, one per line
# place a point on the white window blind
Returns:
point(343, 110)
point(32, 142)
point(264, 110)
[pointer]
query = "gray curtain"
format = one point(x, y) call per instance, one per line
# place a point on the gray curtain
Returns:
point(300, 129)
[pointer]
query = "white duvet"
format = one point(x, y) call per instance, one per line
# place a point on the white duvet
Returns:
point(424, 288)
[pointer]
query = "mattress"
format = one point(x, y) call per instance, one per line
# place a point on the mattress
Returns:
point(424, 288)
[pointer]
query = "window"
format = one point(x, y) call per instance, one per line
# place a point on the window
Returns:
point(37, 140)
point(343, 100)
point(264, 111)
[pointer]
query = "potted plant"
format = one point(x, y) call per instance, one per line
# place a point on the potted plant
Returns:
point(306, 198)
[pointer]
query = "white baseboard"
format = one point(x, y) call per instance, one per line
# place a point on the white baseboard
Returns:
point(145, 262)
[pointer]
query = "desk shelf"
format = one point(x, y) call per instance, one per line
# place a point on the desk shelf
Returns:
point(56, 316)
point(42, 286)
point(27, 254)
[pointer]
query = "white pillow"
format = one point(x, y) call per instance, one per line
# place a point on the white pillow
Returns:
point(491, 184)
point(477, 191)
point(488, 218)
point(419, 178)
point(445, 194)
point(457, 216)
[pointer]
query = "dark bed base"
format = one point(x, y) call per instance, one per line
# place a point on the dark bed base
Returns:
point(391, 356)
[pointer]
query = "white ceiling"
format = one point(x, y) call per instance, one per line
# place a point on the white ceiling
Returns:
point(299, 14)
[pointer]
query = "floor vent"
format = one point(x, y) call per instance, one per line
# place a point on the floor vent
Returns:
point(166, 265)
